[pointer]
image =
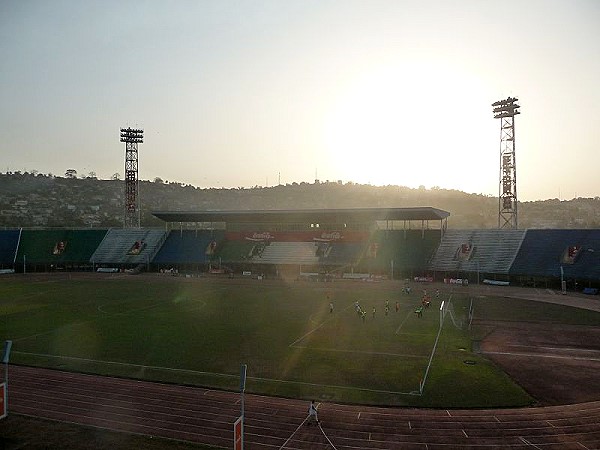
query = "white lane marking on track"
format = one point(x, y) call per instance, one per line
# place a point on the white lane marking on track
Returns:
point(536, 355)
point(292, 435)
point(571, 349)
point(152, 428)
point(526, 442)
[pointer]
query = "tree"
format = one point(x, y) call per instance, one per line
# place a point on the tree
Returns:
point(116, 176)
point(92, 175)
point(158, 180)
point(71, 173)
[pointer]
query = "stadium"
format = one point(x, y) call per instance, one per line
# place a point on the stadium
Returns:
point(386, 243)
point(464, 338)
point(348, 308)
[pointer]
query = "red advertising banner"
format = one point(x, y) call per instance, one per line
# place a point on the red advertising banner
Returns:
point(298, 236)
point(238, 434)
point(3, 402)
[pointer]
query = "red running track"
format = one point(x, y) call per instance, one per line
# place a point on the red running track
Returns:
point(207, 416)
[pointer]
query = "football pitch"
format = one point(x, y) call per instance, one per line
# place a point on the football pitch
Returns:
point(199, 331)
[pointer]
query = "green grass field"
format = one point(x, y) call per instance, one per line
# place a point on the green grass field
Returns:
point(199, 332)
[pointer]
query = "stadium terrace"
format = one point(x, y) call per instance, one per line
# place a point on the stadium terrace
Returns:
point(370, 243)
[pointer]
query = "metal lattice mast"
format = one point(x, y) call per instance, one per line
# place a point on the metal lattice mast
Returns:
point(132, 138)
point(506, 110)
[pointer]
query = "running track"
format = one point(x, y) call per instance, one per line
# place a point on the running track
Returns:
point(207, 416)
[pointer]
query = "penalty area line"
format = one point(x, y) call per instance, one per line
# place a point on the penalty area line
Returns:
point(405, 319)
point(319, 349)
point(314, 329)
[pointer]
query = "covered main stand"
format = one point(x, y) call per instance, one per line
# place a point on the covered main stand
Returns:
point(297, 219)
point(314, 240)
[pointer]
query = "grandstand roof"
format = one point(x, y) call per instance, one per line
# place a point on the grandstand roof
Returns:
point(305, 215)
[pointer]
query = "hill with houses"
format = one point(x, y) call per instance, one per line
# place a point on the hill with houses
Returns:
point(44, 200)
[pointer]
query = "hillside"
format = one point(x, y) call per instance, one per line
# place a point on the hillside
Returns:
point(39, 200)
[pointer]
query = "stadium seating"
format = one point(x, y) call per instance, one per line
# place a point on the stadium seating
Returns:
point(341, 253)
point(490, 251)
point(188, 247)
point(535, 253)
point(410, 250)
point(236, 251)
point(37, 246)
point(289, 253)
point(128, 246)
point(542, 254)
point(9, 242)
point(58, 247)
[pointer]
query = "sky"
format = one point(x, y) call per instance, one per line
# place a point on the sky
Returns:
point(255, 93)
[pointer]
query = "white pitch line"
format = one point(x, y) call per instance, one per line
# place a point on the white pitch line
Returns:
point(314, 329)
point(117, 363)
point(405, 319)
point(333, 386)
point(76, 324)
point(224, 375)
point(39, 334)
point(359, 352)
point(144, 308)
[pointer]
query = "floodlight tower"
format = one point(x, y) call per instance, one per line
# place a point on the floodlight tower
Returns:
point(131, 137)
point(506, 110)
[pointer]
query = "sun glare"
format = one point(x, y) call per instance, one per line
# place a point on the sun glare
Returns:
point(402, 124)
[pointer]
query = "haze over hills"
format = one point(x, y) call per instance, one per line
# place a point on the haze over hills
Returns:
point(40, 200)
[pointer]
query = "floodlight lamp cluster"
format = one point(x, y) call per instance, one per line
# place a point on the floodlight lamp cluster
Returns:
point(132, 135)
point(506, 108)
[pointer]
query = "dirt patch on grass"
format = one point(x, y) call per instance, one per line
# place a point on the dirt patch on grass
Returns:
point(556, 364)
